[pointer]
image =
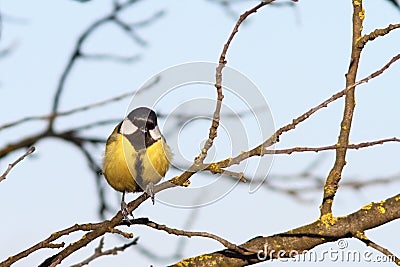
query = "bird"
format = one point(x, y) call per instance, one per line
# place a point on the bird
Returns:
point(136, 155)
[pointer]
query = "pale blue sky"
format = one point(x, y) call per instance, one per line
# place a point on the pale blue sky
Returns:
point(297, 57)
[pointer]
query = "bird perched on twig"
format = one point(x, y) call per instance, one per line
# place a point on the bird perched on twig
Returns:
point(137, 155)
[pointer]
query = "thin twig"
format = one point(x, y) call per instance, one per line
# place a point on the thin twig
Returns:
point(80, 108)
point(218, 82)
point(148, 21)
point(130, 31)
point(357, 184)
point(274, 138)
point(331, 147)
point(154, 255)
point(11, 165)
point(99, 252)
point(67, 112)
point(174, 231)
point(97, 171)
point(214, 169)
point(391, 257)
point(109, 57)
point(227, 6)
point(260, 149)
point(47, 243)
point(289, 183)
point(7, 51)
point(375, 34)
point(77, 51)
point(199, 159)
point(122, 233)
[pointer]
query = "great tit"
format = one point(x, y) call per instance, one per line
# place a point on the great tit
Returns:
point(137, 155)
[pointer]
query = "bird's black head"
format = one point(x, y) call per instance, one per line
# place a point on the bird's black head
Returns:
point(140, 127)
point(143, 118)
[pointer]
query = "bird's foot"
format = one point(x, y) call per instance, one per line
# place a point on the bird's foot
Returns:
point(150, 191)
point(125, 212)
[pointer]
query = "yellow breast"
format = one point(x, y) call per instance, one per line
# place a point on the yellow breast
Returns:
point(129, 170)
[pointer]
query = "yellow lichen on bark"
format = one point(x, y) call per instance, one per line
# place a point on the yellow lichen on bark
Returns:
point(361, 235)
point(367, 207)
point(328, 220)
point(381, 208)
point(187, 262)
point(361, 14)
point(329, 190)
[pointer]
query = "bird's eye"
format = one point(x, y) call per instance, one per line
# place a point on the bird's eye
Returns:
point(150, 125)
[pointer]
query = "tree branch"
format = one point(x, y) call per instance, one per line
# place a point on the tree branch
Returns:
point(361, 236)
point(179, 232)
point(109, 57)
point(218, 82)
point(331, 147)
point(375, 34)
point(99, 252)
point(332, 181)
point(77, 53)
point(12, 165)
point(47, 243)
point(261, 149)
point(325, 229)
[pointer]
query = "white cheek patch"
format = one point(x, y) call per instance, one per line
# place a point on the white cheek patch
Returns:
point(128, 127)
point(155, 133)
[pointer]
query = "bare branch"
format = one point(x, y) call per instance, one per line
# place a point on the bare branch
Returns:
point(331, 147)
point(71, 62)
point(378, 72)
point(78, 109)
point(218, 83)
point(116, 58)
point(357, 184)
point(150, 20)
point(227, 5)
point(261, 149)
point(11, 165)
point(130, 31)
point(7, 51)
point(96, 124)
point(99, 252)
point(237, 175)
point(47, 243)
point(332, 181)
point(375, 34)
point(178, 251)
point(325, 229)
point(224, 242)
point(361, 236)
point(312, 183)
point(77, 53)
point(122, 233)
